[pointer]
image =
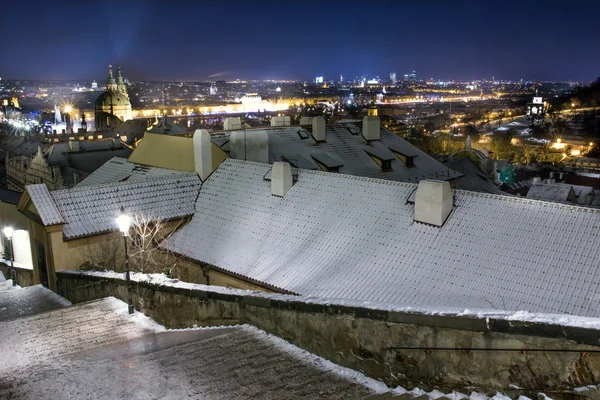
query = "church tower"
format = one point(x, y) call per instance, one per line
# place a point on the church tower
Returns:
point(121, 87)
point(113, 106)
point(111, 84)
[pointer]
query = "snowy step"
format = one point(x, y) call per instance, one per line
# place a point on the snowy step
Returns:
point(16, 302)
point(67, 330)
point(6, 285)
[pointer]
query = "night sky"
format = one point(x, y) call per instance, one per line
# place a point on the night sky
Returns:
point(253, 39)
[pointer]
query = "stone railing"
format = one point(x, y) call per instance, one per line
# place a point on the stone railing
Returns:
point(446, 352)
point(24, 276)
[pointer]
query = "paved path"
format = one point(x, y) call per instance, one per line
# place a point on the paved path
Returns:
point(19, 302)
point(97, 351)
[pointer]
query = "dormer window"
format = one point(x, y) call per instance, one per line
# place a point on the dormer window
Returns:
point(408, 160)
point(382, 156)
point(326, 162)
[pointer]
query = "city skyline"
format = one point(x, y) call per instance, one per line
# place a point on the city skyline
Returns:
point(177, 41)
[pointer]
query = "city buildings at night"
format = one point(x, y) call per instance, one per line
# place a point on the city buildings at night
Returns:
point(316, 200)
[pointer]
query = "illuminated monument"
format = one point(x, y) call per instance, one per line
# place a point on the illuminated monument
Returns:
point(112, 107)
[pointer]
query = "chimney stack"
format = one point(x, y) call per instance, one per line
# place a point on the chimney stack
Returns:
point(433, 202)
point(73, 145)
point(281, 178)
point(370, 129)
point(537, 180)
point(252, 145)
point(232, 123)
point(318, 129)
point(202, 153)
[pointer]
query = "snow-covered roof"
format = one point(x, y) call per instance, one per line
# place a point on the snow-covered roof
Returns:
point(44, 204)
point(91, 210)
point(474, 179)
point(347, 237)
point(344, 143)
point(557, 192)
point(118, 169)
point(166, 126)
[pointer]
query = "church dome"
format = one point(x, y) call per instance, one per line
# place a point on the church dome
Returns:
point(107, 99)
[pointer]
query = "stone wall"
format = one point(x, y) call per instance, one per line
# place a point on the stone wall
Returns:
point(24, 276)
point(399, 348)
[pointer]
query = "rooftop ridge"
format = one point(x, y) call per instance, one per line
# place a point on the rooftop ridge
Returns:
point(323, 173)
point(522, 200)
point(183, 175)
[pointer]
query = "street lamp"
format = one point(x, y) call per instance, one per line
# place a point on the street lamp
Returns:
point(124, 223)
point(8, 232)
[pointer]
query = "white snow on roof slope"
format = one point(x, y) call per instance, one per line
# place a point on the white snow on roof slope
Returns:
point(346, 237)
point(118, 169)
point(90, 210)
point(44, 204)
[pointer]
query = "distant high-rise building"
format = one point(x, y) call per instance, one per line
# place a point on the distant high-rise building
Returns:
point(341, 78)
point(393, 77)
point(213, 90)
point(411, 76)
point(319, 80)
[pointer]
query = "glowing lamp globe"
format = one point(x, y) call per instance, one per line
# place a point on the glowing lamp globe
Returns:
point(8, 231)
point(124, 222)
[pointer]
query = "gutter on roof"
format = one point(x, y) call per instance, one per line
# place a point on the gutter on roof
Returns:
point(205, 267)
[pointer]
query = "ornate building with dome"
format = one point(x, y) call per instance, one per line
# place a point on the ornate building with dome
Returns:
point(113, 106)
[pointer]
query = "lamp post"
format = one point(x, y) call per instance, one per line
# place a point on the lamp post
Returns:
point(8, 232)
point(124, 223)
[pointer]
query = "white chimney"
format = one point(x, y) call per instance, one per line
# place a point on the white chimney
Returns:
point(202, 153)
point(318, 129)
point(370, 130)
point(73, 145)
point(433, 202)
point(249, 145)
point(281, 178)
point(560, 175)
point(232, 123)
point(537, 180)
point(306, 121)
point(551, 174)
point(281, 120)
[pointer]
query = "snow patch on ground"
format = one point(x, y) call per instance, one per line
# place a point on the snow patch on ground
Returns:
point(121, 308)
point(521, 316)
point(584, 389)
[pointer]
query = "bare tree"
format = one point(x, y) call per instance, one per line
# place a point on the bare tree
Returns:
point(146, 251)
point(146, 254)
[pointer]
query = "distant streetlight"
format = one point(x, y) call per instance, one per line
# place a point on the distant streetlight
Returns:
point(68, 109)
point(124, 223)
point(8, 232)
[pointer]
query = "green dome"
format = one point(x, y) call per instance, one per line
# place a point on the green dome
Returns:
point(107, 99)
